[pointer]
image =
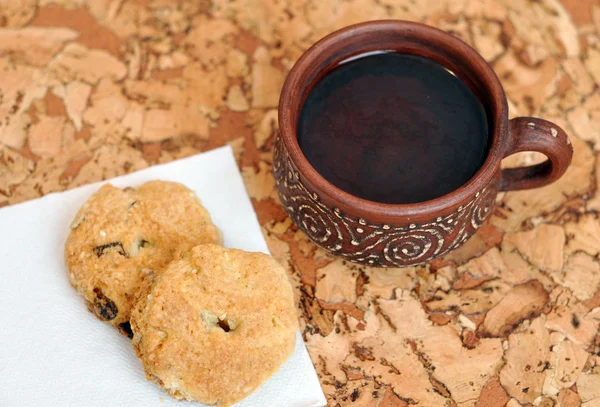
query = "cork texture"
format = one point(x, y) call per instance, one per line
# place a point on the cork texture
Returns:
point(94, 89)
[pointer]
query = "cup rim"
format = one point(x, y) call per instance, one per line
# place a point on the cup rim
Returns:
point(302, 71)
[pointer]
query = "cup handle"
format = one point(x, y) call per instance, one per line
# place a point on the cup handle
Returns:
point(531, 134)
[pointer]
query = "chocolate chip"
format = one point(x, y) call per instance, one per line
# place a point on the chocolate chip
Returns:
point(100, 250)
point(211, 320)
point(104, 307)
point(143, 243)
point(125, 329)
point(129, 189)
point(224, 325)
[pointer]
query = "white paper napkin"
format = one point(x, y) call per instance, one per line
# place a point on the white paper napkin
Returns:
point(54, 352)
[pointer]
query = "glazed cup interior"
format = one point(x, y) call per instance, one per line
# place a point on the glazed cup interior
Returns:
point(401, 37)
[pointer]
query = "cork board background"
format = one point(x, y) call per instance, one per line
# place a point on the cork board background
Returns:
point(94, 89)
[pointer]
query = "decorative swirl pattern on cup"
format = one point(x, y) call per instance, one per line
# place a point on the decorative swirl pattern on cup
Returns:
point(306, 211)
point(482, 210)
point(413, 247)
point(370, 244)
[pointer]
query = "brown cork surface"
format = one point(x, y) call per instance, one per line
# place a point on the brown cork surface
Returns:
point(94, 89)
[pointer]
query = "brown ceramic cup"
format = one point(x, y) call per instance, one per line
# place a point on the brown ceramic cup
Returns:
point(391, 235)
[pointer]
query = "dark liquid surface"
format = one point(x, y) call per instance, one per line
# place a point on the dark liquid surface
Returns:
point(393, 128)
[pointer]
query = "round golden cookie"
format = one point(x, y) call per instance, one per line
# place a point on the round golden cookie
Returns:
point(215, 324)
point(119, 237)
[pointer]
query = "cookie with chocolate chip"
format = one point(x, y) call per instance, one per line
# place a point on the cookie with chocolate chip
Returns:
point(215, 324)
point(120, 237)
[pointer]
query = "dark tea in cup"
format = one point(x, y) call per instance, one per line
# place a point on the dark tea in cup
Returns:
point(391, 138)
point(393, 128)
